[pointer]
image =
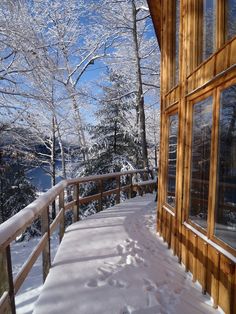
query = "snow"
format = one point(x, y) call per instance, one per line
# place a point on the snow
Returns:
point(32, 286)
point(114, 262)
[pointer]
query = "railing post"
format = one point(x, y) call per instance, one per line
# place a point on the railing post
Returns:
point(100, 187)
point(6, 279)
point(45, 226)
point(118, 187)
point(131, 186)
point(76, 206)
point(62, 221)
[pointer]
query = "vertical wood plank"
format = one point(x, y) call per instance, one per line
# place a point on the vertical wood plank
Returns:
point(231, 287)
point(100, 188)
point(118, 187)
point(169, 231)
point(76, 206)
point(220, 24)
point(226, 284)
point(215, 280)
point(195, 249)
point(46, 251)
point(186, 250)
point(204, 271)
point(234, 292)
point(165, 217)
point(221, 60)
point(62, 221)
point(232, 54)
point(4, 286)
point(10, 280)
point(131, 186)
point(6, 278)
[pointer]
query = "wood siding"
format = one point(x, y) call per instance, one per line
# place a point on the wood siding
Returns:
point(210, 261)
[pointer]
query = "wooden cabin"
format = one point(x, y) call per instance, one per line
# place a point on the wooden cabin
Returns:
point(197, 170)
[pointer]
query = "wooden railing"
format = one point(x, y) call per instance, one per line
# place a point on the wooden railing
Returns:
point(40, 208)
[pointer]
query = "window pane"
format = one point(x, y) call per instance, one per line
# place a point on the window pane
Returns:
point(172, 155)
point(200, 161)
point(209, 18)
point(230, 19)
point(225, 227)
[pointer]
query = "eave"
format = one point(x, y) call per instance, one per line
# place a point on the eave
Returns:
point(155, 11)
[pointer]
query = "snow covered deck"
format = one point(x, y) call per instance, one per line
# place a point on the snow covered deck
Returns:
point(113, 262)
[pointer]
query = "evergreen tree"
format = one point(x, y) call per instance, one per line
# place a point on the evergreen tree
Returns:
point(16, 191)
point(114, 137)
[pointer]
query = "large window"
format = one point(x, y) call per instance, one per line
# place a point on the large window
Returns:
point(172, 155)
point(200, 161)
point(209, 28)
point(225, 218)
point(230, 18)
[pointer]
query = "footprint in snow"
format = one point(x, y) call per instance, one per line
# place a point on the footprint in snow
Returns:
point(116, 283)
point(120, 249)
point(170, 273)
point(104, 273)
point(92, 283)
point(149, 285)
point(126, 310)
point(128, 240)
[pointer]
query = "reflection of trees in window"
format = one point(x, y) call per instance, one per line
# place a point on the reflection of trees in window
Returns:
point(200, 161)
point(209, 22)
point(172, 155)
point(225, 227)
point(230, 19)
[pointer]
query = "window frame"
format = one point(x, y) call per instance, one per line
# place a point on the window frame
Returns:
point(188, 165)
point(214, 91)
point(170, 112)
point(195, 32)
point(217, 105)
point(172, 81)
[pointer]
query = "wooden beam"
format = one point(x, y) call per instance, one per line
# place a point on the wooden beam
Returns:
point(46, 251)
point(29, 263)
point(155, 11)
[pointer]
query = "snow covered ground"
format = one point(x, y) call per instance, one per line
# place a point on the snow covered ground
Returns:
point(113, 262)
point(29, 292)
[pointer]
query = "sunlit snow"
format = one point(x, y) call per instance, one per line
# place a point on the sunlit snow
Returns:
point(114, 262)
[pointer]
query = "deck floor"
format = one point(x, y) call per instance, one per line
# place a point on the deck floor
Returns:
point(112, 262)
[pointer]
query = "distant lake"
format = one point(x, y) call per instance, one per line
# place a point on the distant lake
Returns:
point(40, 179)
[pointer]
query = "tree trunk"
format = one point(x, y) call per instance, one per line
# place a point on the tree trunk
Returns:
point(80, 130)
point(79, 124)
point(53, 164)
point(63, 161)
point(140, 97)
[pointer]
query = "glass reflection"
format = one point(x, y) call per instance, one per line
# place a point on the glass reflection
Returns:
point(200, 161)
point(230, 19)
point(225, 227)
point(172, 155)
point(209, 19)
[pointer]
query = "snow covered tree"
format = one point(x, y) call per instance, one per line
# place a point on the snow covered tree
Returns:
point(113, 137)
point(16, 191)
point(134, 56)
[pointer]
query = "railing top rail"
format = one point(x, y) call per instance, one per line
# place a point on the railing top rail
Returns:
point(14, 226)
point(103, 176)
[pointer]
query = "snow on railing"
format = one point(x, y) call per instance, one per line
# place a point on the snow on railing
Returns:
point(40, 208)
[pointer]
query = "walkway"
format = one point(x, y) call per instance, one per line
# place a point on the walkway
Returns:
point(114, 263)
